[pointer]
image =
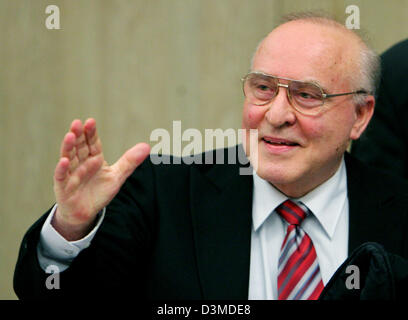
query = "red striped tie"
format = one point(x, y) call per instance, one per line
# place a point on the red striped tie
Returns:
point(298, 269)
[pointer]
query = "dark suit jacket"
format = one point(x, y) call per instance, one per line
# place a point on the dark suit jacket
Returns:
point(183, 232)
point(385, 142)
point(381, 276)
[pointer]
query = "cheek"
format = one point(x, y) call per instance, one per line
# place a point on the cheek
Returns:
point(312, 130)
point(327, 137)
point(322, 139)
point(252, 117)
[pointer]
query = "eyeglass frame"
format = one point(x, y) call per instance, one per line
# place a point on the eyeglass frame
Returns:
point(324, 95)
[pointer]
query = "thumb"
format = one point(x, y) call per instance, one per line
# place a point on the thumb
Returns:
point(130, 160)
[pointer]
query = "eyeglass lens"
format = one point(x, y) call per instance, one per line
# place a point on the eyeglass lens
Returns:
point(260, 89)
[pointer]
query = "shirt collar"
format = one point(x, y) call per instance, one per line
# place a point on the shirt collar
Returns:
point(325, 201)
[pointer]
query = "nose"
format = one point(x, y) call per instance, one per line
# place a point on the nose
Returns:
point(280, 112)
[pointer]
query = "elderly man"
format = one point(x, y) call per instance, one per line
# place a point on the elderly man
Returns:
point(204, 231)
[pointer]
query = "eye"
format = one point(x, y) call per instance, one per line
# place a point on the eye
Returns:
point(263, 87)
point(260, 84)
point(306, 92)
point(307, 95)
point(263, 91)
point(260, 88)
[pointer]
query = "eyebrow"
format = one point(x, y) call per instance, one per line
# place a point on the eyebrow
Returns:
point(310, 80)
point(325, 90)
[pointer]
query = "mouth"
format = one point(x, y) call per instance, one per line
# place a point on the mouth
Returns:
point(279, 146)
point(279, 142)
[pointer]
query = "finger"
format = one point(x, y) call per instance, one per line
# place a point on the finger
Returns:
point(93, 142)
point(81, 175)
point(130, 160)
point(61, 170)
point(68, 146)
point(81, 148)
point(89, 168)
point(69, 141)
point(77, 127)
point(73, 164)
point(68, 150)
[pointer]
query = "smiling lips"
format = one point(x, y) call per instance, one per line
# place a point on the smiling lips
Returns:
point(277, 145)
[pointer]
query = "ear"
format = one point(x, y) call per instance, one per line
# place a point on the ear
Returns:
point(363, 114)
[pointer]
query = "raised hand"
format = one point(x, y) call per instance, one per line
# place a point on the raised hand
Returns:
point(83, 182)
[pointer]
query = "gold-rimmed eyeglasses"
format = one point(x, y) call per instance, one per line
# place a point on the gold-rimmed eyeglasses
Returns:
point(306, 97)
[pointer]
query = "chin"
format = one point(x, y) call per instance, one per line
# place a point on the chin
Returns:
point(285, 180)
point(276, 175)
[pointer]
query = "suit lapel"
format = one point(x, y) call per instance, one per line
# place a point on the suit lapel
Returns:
point(221, 206)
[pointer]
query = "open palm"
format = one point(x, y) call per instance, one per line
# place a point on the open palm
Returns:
point(84, 183)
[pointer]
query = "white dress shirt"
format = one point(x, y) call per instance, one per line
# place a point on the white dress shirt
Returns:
point(327, 227)
point(54, 250)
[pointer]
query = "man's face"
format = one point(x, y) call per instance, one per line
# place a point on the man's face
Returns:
point(309, 52)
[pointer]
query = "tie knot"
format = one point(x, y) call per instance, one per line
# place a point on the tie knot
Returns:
point(291, 212)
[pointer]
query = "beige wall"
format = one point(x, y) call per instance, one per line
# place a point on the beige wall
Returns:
point(133, 65)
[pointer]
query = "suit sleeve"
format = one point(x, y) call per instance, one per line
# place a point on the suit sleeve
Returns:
point(116, 262)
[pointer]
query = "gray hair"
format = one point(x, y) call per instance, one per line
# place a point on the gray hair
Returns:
point(369, 66)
